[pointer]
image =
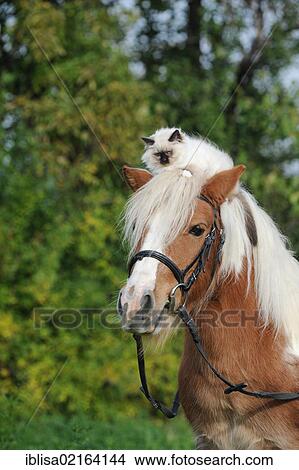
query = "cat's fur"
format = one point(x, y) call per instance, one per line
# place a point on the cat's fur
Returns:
point(171, 147)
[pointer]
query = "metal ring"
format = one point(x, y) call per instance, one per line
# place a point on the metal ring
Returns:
point(171, 297)
point(173, 290)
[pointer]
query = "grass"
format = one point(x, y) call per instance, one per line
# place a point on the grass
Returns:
point(58, 432)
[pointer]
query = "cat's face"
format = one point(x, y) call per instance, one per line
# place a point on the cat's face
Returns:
point(163, 149)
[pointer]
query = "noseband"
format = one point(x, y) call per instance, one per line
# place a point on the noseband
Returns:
point(184, 284)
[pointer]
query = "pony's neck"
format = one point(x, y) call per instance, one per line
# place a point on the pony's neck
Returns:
point(224, 293)
point(231, 300)
point(230, 322)
point(235, 293)
point(237, 342)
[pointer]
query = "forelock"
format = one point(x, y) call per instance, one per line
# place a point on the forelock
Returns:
point(172, 195)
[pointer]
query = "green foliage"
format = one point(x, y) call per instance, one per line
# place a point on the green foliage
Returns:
point(61, 196)
point(63, 191)
point(93, 368)
point(81, 432)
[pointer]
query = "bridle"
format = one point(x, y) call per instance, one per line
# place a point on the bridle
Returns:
point(184, 283)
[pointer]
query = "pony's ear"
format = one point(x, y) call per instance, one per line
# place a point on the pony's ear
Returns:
point(222, 185)
point(136, 177)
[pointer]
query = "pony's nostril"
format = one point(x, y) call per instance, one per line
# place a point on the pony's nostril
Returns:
point(125, 308)
point(147, 302)
point(122, 309)
point(119, 305)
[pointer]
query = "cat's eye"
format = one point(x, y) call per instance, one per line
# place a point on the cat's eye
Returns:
point(196, 230)
point(165, 152)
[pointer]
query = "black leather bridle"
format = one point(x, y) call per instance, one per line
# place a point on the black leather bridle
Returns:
point(184, 284)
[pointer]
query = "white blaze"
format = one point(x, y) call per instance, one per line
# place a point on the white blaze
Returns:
point(143, 277)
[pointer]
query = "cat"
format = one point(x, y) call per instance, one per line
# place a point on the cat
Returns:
point(170, 148)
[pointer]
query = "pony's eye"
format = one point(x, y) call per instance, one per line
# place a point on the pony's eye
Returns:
point(196, 230)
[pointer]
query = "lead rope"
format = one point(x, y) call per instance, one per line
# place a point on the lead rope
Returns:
point(168, 412)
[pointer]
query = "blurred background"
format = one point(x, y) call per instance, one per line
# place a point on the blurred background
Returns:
point(131, 66)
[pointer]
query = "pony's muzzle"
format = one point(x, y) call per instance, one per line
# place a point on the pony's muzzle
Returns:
point(137, 311)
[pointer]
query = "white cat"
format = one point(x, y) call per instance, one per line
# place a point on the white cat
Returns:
point(171, 148)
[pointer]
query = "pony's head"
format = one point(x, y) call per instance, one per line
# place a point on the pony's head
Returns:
point(167, 215)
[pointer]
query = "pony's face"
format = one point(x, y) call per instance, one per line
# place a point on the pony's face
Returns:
point(143, 299)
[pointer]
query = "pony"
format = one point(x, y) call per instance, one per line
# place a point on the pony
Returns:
point(245, 307)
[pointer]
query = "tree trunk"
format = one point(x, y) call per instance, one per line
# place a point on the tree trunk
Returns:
point(193, 29)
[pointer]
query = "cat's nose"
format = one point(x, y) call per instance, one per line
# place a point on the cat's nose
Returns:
point(164, 159)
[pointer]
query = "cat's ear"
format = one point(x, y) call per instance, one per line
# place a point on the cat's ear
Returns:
point(136, 177)
point(176, 136)
point(148, 141)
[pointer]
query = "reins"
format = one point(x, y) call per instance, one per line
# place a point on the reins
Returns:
point(198, 263)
